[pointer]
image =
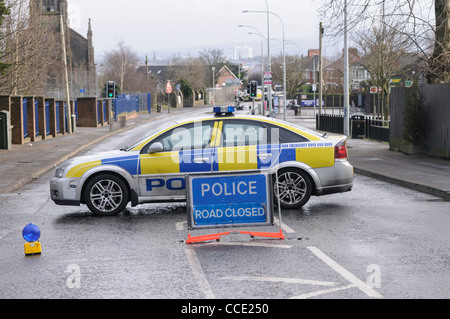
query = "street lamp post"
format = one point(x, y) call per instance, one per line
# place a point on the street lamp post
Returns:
point(269, 66)
point(270, 63)
point(262, 59)
point(214, 86)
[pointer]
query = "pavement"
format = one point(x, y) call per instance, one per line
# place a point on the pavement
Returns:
point(23, 163)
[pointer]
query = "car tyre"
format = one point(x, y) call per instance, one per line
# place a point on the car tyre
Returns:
point(106, 195)
point(295, 188)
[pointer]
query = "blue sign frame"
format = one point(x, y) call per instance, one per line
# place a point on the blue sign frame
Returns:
point(229, 200)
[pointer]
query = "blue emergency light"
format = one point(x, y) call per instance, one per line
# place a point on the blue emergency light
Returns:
point(31, 233)
point(218, 110)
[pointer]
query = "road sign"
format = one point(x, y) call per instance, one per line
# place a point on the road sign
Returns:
point(168, 87)
point(408, 84)
point(268, 78)
point(216, 201)
point(374, 89)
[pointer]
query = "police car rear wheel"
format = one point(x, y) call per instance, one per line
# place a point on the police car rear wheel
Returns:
point(294, 188)
point(106, 195)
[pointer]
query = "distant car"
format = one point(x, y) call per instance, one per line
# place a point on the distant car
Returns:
point(154, 169)
point(278, 90)
point(244, 96)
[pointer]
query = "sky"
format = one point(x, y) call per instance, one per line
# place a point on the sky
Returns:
point(166, 28)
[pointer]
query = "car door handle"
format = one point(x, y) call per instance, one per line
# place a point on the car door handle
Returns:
point(200, 160)
point(264, 156)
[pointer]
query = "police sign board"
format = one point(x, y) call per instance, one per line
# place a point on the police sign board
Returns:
point(216, 201)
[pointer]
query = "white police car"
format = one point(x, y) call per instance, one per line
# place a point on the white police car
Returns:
point(155, 169)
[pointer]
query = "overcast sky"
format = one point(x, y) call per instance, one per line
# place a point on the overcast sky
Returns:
point(185, 25)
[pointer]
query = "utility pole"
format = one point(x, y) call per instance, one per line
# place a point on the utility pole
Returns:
point(346, 75)
point(321, 30)
point(146, 65)
point(269, 66)
point(68, 110)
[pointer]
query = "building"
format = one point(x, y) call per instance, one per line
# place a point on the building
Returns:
point(242, 53)
point(358, 74)
point(79, 50)
point(311, 71)
point(226, 77)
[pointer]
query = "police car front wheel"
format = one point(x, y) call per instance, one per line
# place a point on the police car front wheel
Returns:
point(106, 195)
point(293, 189)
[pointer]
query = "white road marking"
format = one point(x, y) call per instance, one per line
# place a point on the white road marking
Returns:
point(283, 280)
point(199, 274)
point(345, 273)
point(322, 292)
point(251, 244)
point(285, 227)
point(180, 225)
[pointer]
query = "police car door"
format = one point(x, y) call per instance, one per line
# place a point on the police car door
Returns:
point(186, 149)
point(239, 145)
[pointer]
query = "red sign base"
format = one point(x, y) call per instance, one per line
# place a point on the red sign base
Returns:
point(217, 237)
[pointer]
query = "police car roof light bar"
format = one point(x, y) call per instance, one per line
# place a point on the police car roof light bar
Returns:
point(224, 109)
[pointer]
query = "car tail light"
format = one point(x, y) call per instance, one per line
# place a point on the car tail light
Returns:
point(340, 151)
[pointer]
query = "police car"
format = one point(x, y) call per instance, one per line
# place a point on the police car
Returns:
point(155, 169)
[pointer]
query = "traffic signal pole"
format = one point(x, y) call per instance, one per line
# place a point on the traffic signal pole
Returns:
point(110, 95)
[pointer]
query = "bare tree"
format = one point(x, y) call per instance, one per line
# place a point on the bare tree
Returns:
point(384, 50)
point(416, 19)
point(212, 58)
point(295, 68)
point(439, 63)
point(190, 69)
point(120, 65)
point(30, 47)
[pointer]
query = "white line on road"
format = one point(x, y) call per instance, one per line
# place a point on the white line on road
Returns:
point(285, 227)
point(250, 244)
point(180, 225)
point(283, 280)
point(199, 274)
point(345, 273)
point(322, 292)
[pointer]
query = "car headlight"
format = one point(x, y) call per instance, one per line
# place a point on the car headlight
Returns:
point(60, 170)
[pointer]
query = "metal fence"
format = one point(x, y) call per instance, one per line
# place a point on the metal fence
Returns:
point(377, 129)
point(360, 125)
point(330, 123)
point(126, 104)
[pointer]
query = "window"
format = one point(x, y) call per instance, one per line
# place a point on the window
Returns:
point(243, 133)
point(286, 136)
point(192, 136)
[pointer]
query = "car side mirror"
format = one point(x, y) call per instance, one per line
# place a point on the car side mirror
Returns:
point(155, 148)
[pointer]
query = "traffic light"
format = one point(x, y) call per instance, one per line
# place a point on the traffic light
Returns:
point(110, 90)
point(253, 89)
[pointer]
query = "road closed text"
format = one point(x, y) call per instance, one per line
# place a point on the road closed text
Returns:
point(230, 213)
